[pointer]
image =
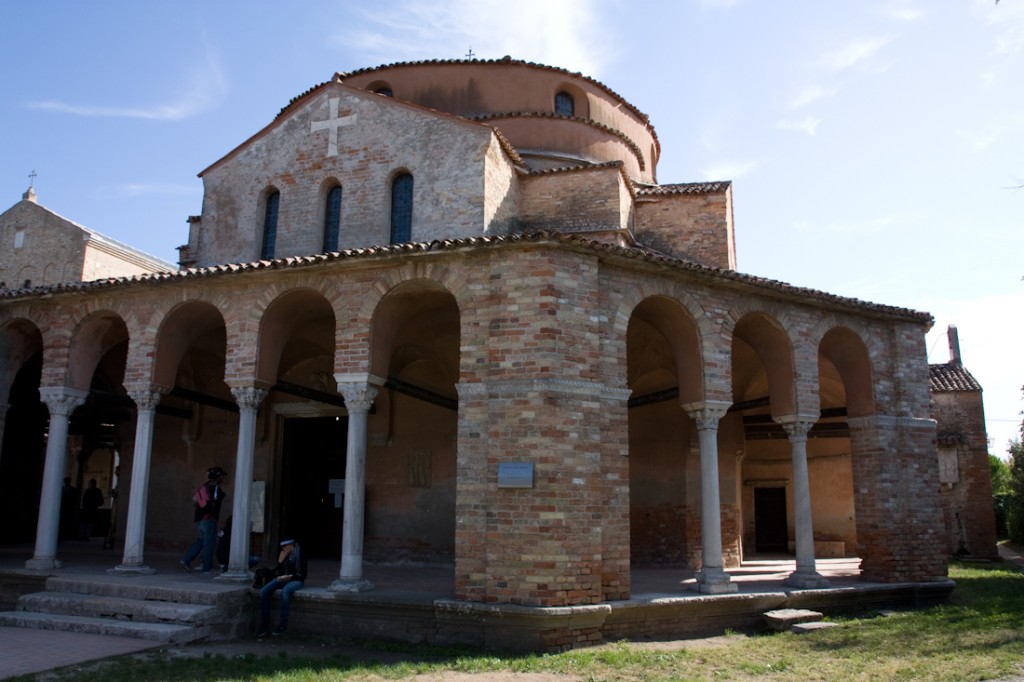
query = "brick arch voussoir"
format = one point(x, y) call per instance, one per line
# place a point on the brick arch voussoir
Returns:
point(440, 274)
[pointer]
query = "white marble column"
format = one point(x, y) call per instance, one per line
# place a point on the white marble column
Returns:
point(711, 578)
point(3, 424)
point(146, 400)
point(61, 402)
point(358, 400)
point(806, 574)
point(248, 399)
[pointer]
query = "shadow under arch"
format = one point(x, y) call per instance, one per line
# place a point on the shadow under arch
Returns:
point(664, 370)
point(23, 446)
point(411, 460)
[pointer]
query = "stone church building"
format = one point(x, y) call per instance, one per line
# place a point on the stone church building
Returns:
point(444, 312)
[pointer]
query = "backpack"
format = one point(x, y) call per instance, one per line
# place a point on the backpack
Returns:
point(201, 497)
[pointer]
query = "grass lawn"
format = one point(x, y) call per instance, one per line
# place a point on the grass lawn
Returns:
point(978, 635)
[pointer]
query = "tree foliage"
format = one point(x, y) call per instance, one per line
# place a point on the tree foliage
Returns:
point(1014, 499)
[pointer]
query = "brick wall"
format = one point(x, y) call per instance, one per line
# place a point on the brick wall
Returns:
point(694, 226)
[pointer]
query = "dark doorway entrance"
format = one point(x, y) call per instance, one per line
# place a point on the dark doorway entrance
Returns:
point(22, 456)
point(770, 532)
point(314, 455)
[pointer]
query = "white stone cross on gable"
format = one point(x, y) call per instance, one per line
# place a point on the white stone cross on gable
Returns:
point(331, 125)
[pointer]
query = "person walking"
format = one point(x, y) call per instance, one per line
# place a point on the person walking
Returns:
point(291, 576)
point(207, 500)
point(92, 500)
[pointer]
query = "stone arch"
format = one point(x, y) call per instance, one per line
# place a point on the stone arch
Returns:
point(189, 326)
point(98, 334)
point(763, 360)
point(715, 376)
point(20, 340)
point(299, 323)
point(412, 300)
point(848, 354)
point(662, 338)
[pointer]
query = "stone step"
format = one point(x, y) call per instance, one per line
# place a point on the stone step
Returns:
point(158, 632)
point(187, 590)
point(135, 610)
point(783, 619)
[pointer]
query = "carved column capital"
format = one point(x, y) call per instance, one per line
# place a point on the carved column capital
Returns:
point(358, 396)
point(248, 397)
point(796, 426)
point(707, 413)
point(145, 397)
point(62, 401)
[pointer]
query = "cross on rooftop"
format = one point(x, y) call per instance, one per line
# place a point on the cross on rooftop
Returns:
point(332, 124)
point(32, 179)
point(470, 55)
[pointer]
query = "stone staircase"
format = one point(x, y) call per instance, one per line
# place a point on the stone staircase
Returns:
point(144, 607)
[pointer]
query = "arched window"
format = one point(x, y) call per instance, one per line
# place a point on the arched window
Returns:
point(332, 219)
point(401, 209)
point(384, 90)
point(270, 225)
point(565, 105)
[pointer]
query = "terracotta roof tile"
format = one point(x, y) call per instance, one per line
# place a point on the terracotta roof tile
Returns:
point(637, 254)
point(341, 76)
point(486, 118)
point(951, 377)
point(684, 188)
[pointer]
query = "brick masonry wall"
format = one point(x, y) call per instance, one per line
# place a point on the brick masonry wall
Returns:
point(970, 517)
point(574, 201)
point(697, 227)
point(541, 379)
point(446, 157)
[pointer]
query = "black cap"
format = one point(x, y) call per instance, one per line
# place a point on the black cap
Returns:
point(215, 472)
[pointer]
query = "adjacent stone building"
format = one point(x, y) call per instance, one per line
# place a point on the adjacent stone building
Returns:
point(40, 248)
point(964, 473)
point(444, 312)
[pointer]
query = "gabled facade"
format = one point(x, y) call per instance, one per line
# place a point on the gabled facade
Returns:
point(40, 248)
point(501, 346)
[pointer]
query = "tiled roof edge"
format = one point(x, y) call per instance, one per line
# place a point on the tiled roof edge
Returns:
point(620, 252)
point(484, 118)
point(341, 75)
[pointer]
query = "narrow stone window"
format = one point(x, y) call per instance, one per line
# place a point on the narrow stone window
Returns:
point(270, 225)
point(565, 105)
point(332, 219)
point(19, 238)
point(401, 209)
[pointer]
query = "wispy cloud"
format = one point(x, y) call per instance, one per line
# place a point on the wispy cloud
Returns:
point(904, 13)
point(854, 52)
point(810, 94)
point(567, 34)
point(866, 227)
point(808, 125)
point(132, 191)
point(204, 88)
point(984, 135)
point(729, 170)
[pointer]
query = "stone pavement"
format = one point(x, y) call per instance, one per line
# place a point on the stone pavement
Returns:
point(24, 651)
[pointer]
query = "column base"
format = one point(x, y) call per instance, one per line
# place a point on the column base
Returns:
point(715, 582)
point(350, 585)
point(43, 564)
point(807, 580)
point(234, 576)
point(127, 571)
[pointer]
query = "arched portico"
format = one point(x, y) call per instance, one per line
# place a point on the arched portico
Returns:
point(94, 370)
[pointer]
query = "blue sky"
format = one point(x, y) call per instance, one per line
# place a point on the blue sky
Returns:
point(874, 146)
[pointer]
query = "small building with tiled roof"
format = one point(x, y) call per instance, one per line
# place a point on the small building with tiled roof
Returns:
point(39, 247)
point(962, 443)
point(443, 313)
